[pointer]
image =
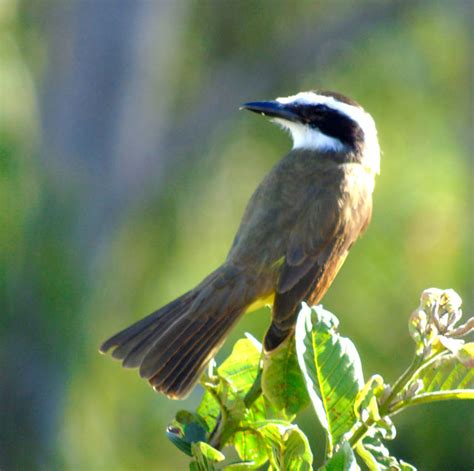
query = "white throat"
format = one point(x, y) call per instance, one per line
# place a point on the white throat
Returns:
point(305, 137)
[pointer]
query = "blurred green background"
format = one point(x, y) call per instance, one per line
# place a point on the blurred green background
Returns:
point(125, 166)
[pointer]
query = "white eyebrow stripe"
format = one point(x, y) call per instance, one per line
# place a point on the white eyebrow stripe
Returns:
point(357, 114)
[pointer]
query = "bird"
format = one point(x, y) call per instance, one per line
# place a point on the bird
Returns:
point(294, 236)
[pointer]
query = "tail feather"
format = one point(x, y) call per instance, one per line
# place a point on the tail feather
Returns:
point(133, 350)
point(167, 368)
point(172, 346)
point(186, 334)
point(181, 337)
point(190, 355)
point(181, 381)
point(144, 325)
point(138, 349)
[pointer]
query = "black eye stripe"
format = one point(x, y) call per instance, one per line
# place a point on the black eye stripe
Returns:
point(324, 108)
point(311, 113)
point(330, 121)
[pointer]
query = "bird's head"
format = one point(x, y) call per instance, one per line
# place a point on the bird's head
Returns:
point(325, 122)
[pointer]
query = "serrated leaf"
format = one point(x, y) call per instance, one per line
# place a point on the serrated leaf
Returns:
point(377, 457)
point(282, 381)
point(343, 460)
point(288, 447)
point(331, 368)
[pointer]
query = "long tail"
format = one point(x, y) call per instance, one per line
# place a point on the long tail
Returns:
point(173, 345)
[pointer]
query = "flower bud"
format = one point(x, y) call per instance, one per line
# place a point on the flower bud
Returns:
point(417, 324)
point(451, 301)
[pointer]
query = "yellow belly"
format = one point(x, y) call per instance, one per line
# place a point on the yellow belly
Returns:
point(261, 302)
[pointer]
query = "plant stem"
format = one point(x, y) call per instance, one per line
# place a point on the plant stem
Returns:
point(431, 397)
point(216, 434)
point(255, 391)
point(385, 407)
point(401, 383)
point(359, 433)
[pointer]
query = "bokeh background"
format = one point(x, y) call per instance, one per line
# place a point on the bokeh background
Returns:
point(125, 166)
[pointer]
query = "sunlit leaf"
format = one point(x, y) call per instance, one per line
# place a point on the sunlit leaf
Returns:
point(205, 457)
point(228, 387)
point(343, 460)
point(377, 457)
point(241, 466)
point(248, 442)
point(447, 373)
point(240, 369)
point(466, 355)
point(331, 368)
point(404, 466)
point(288, 447)
point(209, 409)
point(282, 381)
point(250, 446)
point(365, 404)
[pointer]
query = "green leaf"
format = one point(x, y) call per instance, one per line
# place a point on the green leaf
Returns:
point(225, 389)
point(248, 442)
point(331, 368)
point(377, 457)
point(447, 374)
point(446, 377)
point(282, 381)
point(365, 404)
point(240, 369)
point(466, 355)
point(209, 409)
point(241, 465)
point(288, 447)
point(250, 447)
point(205, 457)
point(343, 460)
point(404, 466)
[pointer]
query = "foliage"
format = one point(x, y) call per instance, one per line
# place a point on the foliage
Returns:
point(251, 400)
point(87, 246)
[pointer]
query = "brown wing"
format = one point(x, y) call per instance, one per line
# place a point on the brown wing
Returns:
point(314, 229)
point(317, 247)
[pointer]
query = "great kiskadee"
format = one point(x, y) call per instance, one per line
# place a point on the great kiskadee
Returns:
point(295, 234)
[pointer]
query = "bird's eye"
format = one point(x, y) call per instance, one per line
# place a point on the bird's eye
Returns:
point(313, 114)
point(321, 108)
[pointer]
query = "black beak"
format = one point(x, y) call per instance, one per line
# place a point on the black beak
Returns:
point(272, 109)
